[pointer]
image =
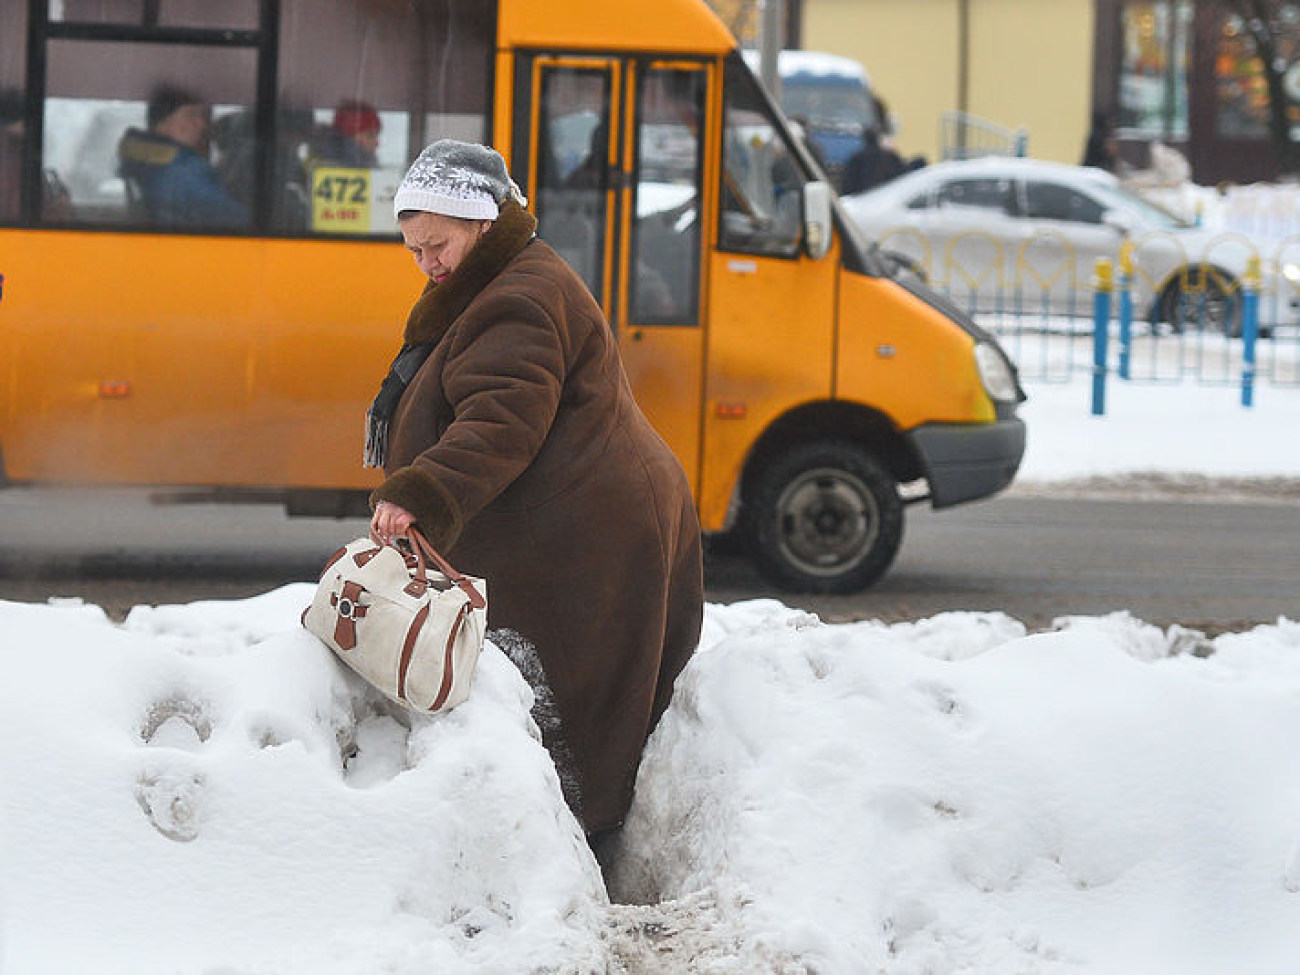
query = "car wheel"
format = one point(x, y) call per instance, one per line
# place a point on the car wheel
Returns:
point(823, 517)
point(1215, 306)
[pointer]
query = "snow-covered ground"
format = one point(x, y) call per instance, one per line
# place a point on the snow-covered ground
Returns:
point(1262, 211)
point(1151, 433)
point(202, 790)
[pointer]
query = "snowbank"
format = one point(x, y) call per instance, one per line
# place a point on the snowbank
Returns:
point(202, 789)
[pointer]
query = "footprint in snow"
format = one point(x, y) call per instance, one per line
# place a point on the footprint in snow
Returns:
point(169, 791)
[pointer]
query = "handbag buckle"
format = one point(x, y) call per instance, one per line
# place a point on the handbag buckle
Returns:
point(349, 607)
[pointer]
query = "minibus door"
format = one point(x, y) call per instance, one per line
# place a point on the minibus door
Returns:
point(616, 162)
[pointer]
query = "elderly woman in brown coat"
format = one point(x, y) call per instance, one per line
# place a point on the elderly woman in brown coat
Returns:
point(509, 435)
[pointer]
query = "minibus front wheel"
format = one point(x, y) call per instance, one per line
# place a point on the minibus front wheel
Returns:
point(823, 517)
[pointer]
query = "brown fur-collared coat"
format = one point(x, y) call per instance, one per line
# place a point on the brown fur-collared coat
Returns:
point(523, 456)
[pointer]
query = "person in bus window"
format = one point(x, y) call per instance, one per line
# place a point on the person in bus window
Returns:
point(508, 434)
point(237, 152)
point(352, 139)
point(169, 178)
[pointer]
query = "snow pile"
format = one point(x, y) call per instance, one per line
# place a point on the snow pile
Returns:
point(202, 789)
point(984, 801)
point(203, 786)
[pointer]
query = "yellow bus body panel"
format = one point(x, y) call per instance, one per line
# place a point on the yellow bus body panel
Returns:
point(665, 369)
point(195, 360)
point(661, 26)
point(248, 362)
point(905, 358)
point(771, 348)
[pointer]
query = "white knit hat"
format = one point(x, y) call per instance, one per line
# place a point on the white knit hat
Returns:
point(455, 179)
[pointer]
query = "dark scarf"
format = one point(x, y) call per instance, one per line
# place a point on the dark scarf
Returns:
point(434, 311)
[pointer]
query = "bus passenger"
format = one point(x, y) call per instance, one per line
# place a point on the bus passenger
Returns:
point(238, 151)
point(352, 139)
point(167, 171)
point(509, 436)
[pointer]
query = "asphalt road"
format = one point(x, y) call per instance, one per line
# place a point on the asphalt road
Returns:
point(1204, 564)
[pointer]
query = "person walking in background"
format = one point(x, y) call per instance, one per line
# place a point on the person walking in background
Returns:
point(1101, 150)
point(352, 139)
point(167, 171)
point(508, 434)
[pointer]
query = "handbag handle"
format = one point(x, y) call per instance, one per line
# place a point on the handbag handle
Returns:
point(424, 550)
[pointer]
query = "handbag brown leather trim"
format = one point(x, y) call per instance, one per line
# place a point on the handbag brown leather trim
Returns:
point(448, 663)
point(430, 553)
point(408, 648)
point(361, 558)
point(332, 559)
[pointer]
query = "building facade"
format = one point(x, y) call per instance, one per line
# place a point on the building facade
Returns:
point(1015, 63)
point(1188, 73)
point(1183, 72)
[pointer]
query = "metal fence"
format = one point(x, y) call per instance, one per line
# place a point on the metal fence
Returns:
point(1169, 320)
point(966, 136)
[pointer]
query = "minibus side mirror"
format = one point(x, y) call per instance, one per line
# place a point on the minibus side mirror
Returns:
point(817, 223)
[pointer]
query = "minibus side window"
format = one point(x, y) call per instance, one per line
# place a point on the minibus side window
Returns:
point(233, 14)
point(129, 130)
point(363, 87)
point(13, 112)
point(665, 271)
point(762, 183)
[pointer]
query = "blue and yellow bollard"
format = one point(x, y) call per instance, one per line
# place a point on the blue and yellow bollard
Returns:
point(1125, 307)
point(1103, 284)
point(1249, 329)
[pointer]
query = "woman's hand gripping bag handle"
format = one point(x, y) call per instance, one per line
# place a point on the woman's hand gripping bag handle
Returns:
point(411, 633)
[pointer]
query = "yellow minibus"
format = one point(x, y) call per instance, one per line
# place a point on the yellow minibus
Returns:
point(209, 297)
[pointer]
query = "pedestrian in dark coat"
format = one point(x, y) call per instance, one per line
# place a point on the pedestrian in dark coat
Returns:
point(509, 435)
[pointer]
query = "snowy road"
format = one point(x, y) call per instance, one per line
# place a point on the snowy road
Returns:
point(1207, 564)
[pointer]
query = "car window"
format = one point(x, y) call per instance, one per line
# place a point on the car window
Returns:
point(985, 193)
point(919, 201)
point(1052, 201)
point(1116, 197)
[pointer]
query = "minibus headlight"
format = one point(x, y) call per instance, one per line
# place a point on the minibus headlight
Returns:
point(995, 373)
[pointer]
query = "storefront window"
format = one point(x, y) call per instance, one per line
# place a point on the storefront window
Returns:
point(1241, 89)
point(1156, 38)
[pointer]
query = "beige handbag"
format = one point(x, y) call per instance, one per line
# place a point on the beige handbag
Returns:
point(411, 632)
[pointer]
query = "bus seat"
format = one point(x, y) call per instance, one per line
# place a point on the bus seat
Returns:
point(56, 201)
point(137, 209)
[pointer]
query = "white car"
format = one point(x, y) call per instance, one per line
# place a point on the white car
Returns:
point(1022, 235)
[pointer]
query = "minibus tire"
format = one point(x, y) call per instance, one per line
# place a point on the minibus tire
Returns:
point(823, 517)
